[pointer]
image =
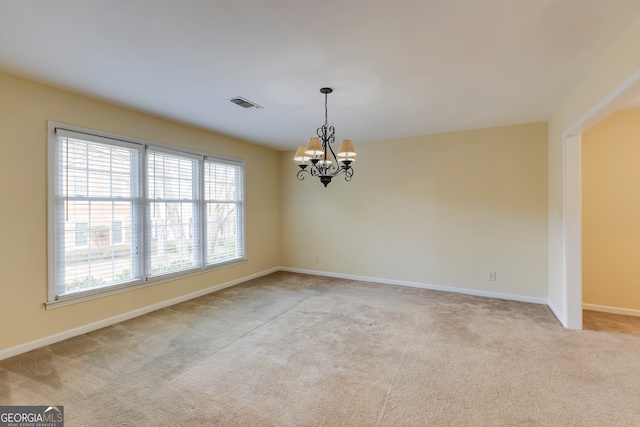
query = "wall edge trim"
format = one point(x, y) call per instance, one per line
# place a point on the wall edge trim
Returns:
point(556, 313)
point(612, 310)
point(467, 291)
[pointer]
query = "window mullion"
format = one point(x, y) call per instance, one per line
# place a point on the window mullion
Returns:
point(202, 209)
point(140, 228)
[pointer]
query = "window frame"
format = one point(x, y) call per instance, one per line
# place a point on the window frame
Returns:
point(197, 212)
point(140, 221)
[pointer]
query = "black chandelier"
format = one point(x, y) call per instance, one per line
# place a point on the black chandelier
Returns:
point(323, 161)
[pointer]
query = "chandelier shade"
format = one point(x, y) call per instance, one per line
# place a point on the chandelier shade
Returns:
point(346, 150)
point(318, 158)
point(314, 148)
point(301, 155)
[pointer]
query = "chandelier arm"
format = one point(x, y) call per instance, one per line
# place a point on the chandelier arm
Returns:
point(348, 174)
point(312, 171)
point(300, 174)
point(331, 139)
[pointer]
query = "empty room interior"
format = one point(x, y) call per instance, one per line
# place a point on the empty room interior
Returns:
point(338, 213)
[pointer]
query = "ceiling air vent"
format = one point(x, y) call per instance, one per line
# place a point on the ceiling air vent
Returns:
point(245, 103)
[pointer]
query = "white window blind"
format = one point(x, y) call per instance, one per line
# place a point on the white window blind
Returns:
point(173, 212)
point(125, 212)
point(223, 211)
point(95, 183)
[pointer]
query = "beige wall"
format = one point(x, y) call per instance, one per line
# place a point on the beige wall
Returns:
point(439, 210)
point(611, 212)
point(25, 108)
point(620, 62)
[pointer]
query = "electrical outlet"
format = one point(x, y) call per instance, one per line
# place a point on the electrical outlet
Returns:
point(298, 256)
point(317, 260)
point(492, 276)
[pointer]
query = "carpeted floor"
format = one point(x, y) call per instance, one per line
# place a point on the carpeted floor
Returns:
point(297, 350)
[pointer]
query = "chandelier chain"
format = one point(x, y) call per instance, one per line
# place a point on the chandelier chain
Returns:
point(326, 113)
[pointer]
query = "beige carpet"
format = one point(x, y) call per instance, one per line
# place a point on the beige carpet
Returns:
point(295, 350)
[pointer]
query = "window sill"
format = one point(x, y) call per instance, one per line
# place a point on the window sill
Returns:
point(89, 295)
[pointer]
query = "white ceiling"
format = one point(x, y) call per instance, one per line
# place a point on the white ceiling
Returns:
point(398, 68)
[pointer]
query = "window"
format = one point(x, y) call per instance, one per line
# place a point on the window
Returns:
point(125, 212)
point(174, 199)
point(223, 194)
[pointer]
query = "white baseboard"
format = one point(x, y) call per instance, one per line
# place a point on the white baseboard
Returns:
point(32, 345)
point(613, 310)
point(556, 313)
point(466, 291)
